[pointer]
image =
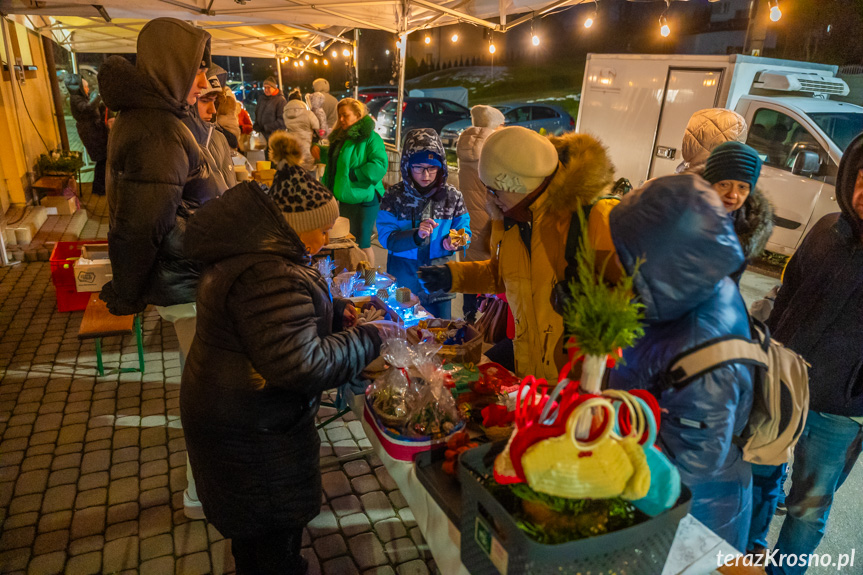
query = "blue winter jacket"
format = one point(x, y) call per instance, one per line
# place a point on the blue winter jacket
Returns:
point(680, 228)
point(403, 207)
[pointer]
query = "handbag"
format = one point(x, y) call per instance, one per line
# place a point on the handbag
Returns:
point(664, 476)
point(492, 323)
point(639, 484)
point(565, 466)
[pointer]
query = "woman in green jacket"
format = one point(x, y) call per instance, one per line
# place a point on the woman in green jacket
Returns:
point(356, 164)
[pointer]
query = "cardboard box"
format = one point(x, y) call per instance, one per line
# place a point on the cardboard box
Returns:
point(93, 268)
point(60, 205)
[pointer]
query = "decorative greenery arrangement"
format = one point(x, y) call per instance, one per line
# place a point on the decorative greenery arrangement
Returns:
point(60, 162)
point(601, 318)
point(554, 520)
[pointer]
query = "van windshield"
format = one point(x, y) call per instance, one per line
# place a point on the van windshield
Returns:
point(840, 127)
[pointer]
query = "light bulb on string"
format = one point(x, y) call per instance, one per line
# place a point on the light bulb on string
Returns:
point(335, 54)
point(775, 12)
point(454, 37)
point(346, 52)
point(387, 51)
point(535, 40)
point(491, 48)
point(316, 60)
point(589, 21)
point(326, 62)
point(428, 39)
point(302, 63)
point(296, 64)
point(663, 26)
point(307, 57)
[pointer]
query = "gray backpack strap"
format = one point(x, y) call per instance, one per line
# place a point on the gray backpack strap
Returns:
point(712, 354)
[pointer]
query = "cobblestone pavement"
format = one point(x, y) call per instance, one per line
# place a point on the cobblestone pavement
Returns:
point(92, 469)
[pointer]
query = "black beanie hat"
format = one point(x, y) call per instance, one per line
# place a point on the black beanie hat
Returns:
point(733, 161)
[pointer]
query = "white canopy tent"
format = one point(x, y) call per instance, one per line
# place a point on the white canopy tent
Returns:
point(267, 28)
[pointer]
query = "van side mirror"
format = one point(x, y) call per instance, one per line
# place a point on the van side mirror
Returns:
point(806, 163)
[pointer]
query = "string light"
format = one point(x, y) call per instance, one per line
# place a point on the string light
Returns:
point(454, 37)
point(388, 51)
point(428, 40)
point(335, 54)
point(326, 62)
point(775, 12)
point(535, 40)
point(316, 60)
point(346, 52)
point(296, 64)
point(491, 48)
point(307, 57)
point(663, 21)
point(589, 21)
point(302, 63)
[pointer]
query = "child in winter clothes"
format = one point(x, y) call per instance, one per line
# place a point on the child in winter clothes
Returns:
point(316, 105)
point(417, 215)
point(302, 124)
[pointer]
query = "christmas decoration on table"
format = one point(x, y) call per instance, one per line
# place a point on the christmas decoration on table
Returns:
point(383, 294)
point(367, 273)
point(325, 267)
point(403, 295)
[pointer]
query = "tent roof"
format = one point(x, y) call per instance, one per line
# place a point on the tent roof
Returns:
point(261, 28)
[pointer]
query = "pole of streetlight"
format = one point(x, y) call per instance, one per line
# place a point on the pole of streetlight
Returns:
point(242, 81)
point(403, 50)
point(356, 63)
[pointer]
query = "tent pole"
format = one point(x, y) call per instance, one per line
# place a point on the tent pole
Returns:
point(74, 62)
point(403, 50)
point(242, 81)
point(279, 69)
point(356, 64)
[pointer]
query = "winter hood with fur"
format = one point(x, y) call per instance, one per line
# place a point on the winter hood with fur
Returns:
point(527, 274)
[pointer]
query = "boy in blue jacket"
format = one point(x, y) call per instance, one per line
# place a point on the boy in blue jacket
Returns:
point(417, 215)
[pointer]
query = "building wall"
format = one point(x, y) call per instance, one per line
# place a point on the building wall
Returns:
point(28, 125)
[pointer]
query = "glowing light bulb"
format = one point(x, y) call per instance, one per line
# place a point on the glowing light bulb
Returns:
point(428, 39)
point(335, 54)
point(491, 48)
point(346, 52)
point(296, 64)
point(775, 13)
point(316, 60)
point(535, 40)
point(454, 38)
point(302, 63)
point(663, 26)
point(307, 57)
point(589, 22)
point(326, 62)
point(388, 52)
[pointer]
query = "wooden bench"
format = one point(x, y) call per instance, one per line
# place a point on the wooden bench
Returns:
point(98, 322)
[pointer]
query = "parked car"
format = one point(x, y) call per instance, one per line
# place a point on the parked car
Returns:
point(375, 105)
point(553, 119)
point(799, 132)
point(419, 113)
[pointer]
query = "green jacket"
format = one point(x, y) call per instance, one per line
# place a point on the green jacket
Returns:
point(355, 171)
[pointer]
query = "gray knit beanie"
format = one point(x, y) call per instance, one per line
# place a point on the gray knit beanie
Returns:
point(306, 204)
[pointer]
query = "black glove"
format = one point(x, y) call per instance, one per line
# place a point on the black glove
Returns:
point(560, 296)
point(118, 306)
point(435, 278)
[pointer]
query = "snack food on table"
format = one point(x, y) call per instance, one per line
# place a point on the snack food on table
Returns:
point(403, 295)
point(455, 445)
point(458, 238)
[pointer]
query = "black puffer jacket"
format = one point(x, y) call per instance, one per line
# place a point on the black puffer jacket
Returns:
point(154, 167)
point(819, 310)
point(264, 350)
point(269, 114)
point(89, 119)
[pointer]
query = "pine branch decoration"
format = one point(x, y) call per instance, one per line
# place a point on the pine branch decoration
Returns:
point(601, 318)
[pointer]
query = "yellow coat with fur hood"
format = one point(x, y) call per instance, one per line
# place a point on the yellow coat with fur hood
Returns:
point(528, 278)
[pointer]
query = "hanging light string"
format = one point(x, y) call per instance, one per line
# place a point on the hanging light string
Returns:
point(590, 19)
point(663, 21)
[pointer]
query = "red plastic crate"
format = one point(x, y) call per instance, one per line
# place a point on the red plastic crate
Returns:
point(63, 274)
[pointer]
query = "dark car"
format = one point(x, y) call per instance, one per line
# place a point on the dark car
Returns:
point(375, 105)
point(419, 113)
point(553, 119)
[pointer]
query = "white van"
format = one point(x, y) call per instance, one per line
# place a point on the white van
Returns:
point(639, 105)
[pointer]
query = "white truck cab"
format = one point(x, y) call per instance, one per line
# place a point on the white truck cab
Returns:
point(639, 105)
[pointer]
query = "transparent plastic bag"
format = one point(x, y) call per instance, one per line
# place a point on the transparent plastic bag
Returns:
point(432, 411)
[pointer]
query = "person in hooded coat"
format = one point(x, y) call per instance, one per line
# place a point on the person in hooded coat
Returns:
point(157, 176)
point(536, 187)
point(316, 100)
point(484, 121)
point(89, 113)
point(330, 104)
point(215, 148)
point(705, 130)
point(819, 314)
point(302, 124)
point(270, 110)
point(270, 340)
point(417, 215)
point(679, 226)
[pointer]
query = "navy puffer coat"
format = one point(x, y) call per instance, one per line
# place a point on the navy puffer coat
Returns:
point(678, 225)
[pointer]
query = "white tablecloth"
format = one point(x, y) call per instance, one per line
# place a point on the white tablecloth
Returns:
point(694, 551)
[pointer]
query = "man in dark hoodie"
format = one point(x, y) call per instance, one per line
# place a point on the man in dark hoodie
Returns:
point(89, 113)
point(156, 178)
point(270, 110)
point(819, 314)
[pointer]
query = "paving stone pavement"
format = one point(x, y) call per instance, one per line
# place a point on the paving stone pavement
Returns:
point(92, 469)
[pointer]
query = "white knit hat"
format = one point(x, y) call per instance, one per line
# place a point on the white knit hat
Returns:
point(486, 116)
point(516, 160)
